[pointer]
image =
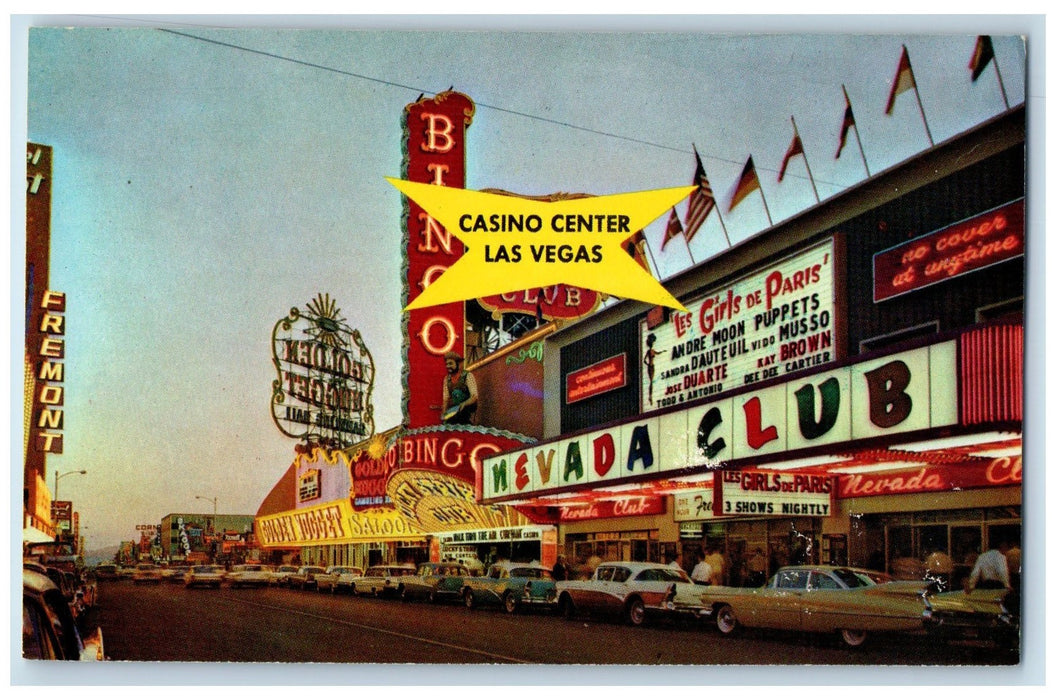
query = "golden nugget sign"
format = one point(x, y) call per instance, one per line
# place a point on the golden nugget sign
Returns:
point(333, 523)
point(325, 377)
point(908, 391)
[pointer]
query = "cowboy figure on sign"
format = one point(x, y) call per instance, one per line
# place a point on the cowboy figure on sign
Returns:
point(460, 392)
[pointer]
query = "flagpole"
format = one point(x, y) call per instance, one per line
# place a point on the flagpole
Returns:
point(916, 91)
point(723, 224)
point(691, 260)
point(857, 136)
point(765, 207)
point(795, 130)
point(649, 252)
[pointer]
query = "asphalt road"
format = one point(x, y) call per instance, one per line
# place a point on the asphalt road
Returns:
point(166, 622)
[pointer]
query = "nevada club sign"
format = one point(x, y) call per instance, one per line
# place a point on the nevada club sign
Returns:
point(908, 391)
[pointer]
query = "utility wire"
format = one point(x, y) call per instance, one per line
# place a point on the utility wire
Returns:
point(423, 91)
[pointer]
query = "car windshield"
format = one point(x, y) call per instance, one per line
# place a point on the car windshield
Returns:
point(203, 569)
point(851, 579)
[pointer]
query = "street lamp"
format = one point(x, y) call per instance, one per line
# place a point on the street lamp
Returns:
point(58, 476)
point(213, 499)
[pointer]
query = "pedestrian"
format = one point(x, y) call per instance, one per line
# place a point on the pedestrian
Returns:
point(718, 565)
point(560, 571)
point(990, 570)
point(701, 573)
point(757, 568)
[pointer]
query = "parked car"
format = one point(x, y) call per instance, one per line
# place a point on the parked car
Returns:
point(380, 580)
point(841, 600)
point(147, 573)
point(106, 572)
point(49, 630)
point(174, 573)
point(336, 578)
point(281, 575)
point(204, 575)
point(248, 575)
point(634, 590)
point(304, 577)
point(511, 585)
point(433, 581)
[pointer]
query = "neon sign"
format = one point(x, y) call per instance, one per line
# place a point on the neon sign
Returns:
point(325, 376)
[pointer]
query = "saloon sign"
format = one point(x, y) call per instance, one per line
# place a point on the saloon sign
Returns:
point(908, 391)
point(773, 322)
point(325, 376)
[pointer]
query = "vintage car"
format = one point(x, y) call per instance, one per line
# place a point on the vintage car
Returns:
point(304, 577)
point(49, 630)
point(633, 590)
point(511, 585)
point(281, 575)
point(849, 603)
point(336, 578)
point(380, 580)
point(174, 573)
point(147, 573)
point(433, 581)
point(204, 575)
point(106, 572)
point(248, 575)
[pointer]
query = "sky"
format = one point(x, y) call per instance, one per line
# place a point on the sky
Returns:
point(206, 180)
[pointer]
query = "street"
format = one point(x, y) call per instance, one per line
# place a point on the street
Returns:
point(166, 622)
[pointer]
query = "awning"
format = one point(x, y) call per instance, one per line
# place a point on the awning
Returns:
point(32, 535)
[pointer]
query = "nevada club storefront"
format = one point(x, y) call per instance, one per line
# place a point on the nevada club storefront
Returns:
point(846, 387)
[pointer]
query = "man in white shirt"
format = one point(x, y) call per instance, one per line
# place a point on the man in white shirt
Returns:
point(701, 572)
point(990, 570)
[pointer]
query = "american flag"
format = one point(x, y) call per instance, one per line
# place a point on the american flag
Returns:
point(701, 202)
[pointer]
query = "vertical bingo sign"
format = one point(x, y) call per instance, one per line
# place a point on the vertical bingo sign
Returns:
point(434, 153)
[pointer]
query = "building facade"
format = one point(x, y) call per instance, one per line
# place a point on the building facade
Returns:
point(846, 387)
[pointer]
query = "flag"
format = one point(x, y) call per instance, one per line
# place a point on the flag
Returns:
point(674, 227)
point(794, 149)
point(635, 247)
point(749, 181)
point(848, 122)
point(701, 201)
point(903, 80)
point(981, 57)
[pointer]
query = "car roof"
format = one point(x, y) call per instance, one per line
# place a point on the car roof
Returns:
point(36, 581)
point(638, 565)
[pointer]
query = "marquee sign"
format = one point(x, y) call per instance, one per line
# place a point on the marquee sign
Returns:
point(322, 394)
point(967, 246)
point(775, 321)
point(615, 508)
point(434, 153)
point(909, 391)
point(779, 493)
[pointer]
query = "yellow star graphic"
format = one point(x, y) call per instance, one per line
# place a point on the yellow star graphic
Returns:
point(514, 243)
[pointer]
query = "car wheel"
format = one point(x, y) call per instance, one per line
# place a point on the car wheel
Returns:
point(567, 607)
point(467, 598)
point(509, 602)
point(853, 638)
point(352, 590)
point(636, 612)
point(726, 620)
